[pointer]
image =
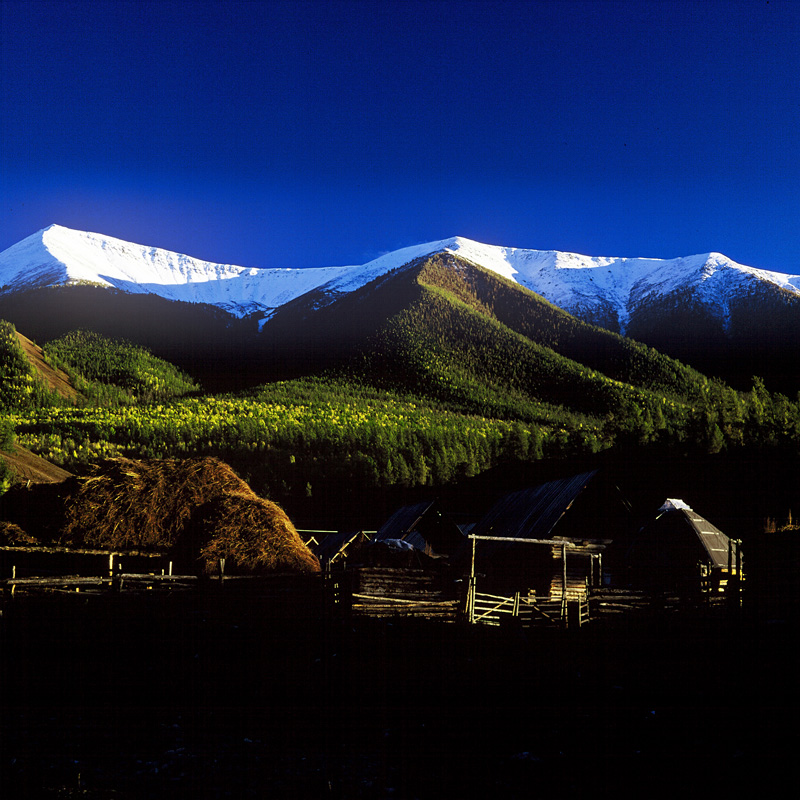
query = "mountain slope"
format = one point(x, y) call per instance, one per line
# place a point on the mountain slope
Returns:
point(550, 326)
point(29, 468)
point(58, 256)
point(446, 329)
point(56, 379)
point(116, 371)
point(756, 332)
point(26, 379)
point(609, 291)
point(203, 340)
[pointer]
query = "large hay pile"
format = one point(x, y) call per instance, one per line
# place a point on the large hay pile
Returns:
point(38, 509)
point(194, 508)
point(136, 505)
point(233, 526)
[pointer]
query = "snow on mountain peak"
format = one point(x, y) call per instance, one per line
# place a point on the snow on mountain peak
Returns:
point(584, 285)
point(57, 256)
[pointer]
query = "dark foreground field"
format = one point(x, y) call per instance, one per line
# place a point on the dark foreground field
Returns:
point(200, 696)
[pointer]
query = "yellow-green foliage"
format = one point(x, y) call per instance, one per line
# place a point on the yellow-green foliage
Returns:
point(419, 442)
point(335, 430)
point(112, 371)
point(20, 387)
point(6, 434)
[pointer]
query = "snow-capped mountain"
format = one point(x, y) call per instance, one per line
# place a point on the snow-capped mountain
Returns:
point(607, 291)
point(58, 256)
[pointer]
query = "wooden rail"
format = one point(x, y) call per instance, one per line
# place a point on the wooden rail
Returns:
point(117, 582)
point(83, 551)
point(489, 609)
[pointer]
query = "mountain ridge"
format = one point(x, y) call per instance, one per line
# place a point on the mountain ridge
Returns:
point(452, 330)
point(726, 319)
point(605, 290)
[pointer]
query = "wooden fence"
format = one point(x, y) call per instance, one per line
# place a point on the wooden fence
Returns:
point(128, 581)
point(363, 591)
point(55, 561)
point(568, 600)
point(528, 610)
point(390, 592)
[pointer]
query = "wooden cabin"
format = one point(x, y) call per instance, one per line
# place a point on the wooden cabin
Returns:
point(680, 551)
point(404, 569)
point(528, 545)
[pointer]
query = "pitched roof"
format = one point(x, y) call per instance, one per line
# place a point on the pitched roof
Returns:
point(424, 527)
point(713, 540)
point(532, 513)
point(676, 538)
point(403, 522)
point(335, 545)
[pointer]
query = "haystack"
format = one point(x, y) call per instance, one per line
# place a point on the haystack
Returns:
point(141, 505)
point(38, 508)
point(253, 535)
point(196, 510)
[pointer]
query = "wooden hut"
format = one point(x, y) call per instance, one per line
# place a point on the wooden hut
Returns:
point(527, 546)
point(680, 551)
point(404, 569)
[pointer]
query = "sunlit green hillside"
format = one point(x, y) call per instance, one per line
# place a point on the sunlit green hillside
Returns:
point(112, 370)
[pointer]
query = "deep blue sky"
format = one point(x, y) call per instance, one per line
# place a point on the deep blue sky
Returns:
point(320, 133)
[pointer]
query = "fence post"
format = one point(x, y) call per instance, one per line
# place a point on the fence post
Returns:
point(730, 559)
point(564, 606)
point(471, 588)
point(739, 585)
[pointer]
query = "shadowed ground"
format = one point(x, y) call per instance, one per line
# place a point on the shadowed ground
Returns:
point(208, 697)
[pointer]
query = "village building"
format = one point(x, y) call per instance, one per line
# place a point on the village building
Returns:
point(543, 546)
point(680, 551)
point(522, 539)
point(422, 526)
point(337, 550)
